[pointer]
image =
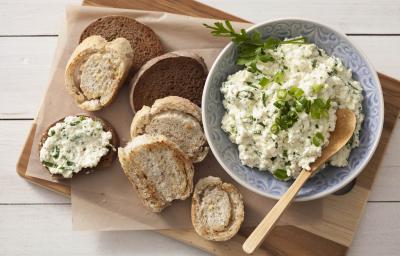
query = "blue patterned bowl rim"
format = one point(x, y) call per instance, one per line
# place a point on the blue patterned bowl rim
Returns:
point(348, 178)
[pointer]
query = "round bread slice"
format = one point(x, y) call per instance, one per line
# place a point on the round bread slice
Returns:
point(176, 118)
point(144, 42)
point(217, 209)
point(96, 71)
point(178, 73)
point(158, 169)
point(105, 161)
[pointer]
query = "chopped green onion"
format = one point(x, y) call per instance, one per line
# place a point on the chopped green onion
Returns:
point(278, 77)
point(318, 139)
point(279, 104)
point(264, 99)
point(316, 88)
point(56, 152)
point(281, 174)
point(70, 163)
point(285, 153)
point(264, 82)
point(52, 132)
point(296, 92)
point(275, 128)
point(49, 164)
point(281, 94)
point(319, 108)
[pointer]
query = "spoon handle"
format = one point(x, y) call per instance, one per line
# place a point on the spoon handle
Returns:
point(266, 225)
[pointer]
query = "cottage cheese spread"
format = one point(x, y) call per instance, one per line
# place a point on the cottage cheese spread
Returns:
point(76, 143)
point(280, 112)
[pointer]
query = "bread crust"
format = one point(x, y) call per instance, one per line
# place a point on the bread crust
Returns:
point(144, 42)
point(198, 149)
point(236, 214)
point(147, 191)
point(136, 80)
point(90, 46)
point(105, 161)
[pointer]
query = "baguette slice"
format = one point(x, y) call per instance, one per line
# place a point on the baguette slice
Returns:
point(179, 73)
point(144, 42)
point(96, 71)
point(158, 169)
point(176, 118)
point(105, 161)
point(217, 209)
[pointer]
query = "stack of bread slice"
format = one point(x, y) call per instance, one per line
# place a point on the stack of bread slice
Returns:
point(166, 139)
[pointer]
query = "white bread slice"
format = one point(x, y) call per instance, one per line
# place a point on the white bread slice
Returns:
point(96, 70)
point(217, 209)
point(176, 118)
point(158, 169)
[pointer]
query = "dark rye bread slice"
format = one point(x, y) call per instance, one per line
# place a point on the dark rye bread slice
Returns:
point(105, 161)
point(179, 73)
point(144, 42)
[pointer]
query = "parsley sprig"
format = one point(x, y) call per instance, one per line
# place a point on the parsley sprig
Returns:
point(251, 47)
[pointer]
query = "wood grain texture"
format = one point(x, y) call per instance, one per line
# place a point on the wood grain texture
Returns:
point(44, 17)
point(25, 72)
point(348, 16)
point(365, 243)
point(13, 189)
point(46, 230)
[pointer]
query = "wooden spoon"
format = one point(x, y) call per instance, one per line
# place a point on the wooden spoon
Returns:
point(345, 125)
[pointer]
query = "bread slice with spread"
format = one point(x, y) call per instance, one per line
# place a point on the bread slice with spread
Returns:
point(179, 73)
point(158, 169)
point(96, 70)
point(77, 144)
point(217, 209)
point(176, 118)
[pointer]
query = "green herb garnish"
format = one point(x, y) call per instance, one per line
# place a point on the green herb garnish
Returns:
point(274, 128)
point(281, 174)
point(319, 108)
point(318, 139)
point(251, 47)
point(49, 164)
point(281, 94)
point(316, 88)
point(278, 77)
point(296, 92)
point(264, 82)
point(264, 99)
point(56, 152)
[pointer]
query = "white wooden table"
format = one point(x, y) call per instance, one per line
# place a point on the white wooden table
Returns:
point(34, 221)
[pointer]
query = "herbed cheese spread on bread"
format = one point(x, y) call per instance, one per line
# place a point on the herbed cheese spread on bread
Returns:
point(73, 144)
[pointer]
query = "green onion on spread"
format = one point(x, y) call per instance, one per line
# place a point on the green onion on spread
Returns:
point(264, 82)
point(281, 174)
point(318, 139)
point(316, 88)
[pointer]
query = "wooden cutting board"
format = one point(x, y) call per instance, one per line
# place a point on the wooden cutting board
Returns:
point(286, 239)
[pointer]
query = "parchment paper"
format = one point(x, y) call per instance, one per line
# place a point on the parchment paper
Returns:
point(105, 200)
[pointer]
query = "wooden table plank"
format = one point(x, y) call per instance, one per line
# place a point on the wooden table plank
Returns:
point(25, 64)
point(25, 71)
point(348, 16)
point(21, 17)
point(47, 231)
point(14, 189)
point(39, 17)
